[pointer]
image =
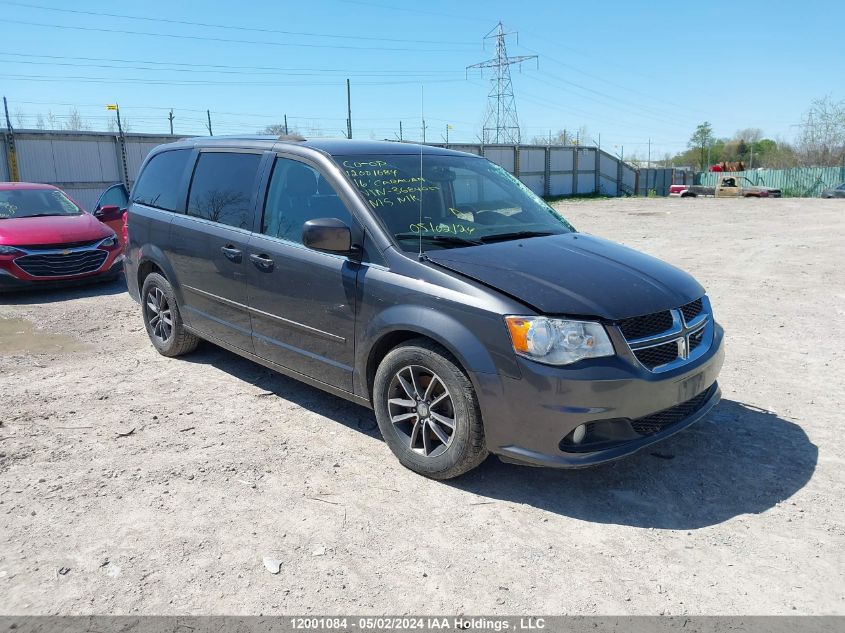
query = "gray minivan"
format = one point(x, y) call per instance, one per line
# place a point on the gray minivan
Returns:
point(427, 284)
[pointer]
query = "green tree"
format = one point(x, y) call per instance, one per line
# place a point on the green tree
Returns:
point(701, 140)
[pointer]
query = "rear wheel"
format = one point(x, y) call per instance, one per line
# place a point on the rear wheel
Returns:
point(428, 412)
point(162, 318)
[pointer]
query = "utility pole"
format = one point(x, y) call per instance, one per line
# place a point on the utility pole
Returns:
point(649, 153)
point(423, 130)
point(400, 131)
point(11, 152)
point(170, 118)
point(447, 133)
point(208, 114)
point(348, 110)
point(121, 140)
point(286, 124)
point(501, 121)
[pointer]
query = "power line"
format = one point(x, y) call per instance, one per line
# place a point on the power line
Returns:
point(229, 26)
point(191, 82)
point(228, 40)
point(233, 72)
point(223, 66)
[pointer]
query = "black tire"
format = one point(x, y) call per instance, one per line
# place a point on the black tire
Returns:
point(465, 448)
point(176, 340)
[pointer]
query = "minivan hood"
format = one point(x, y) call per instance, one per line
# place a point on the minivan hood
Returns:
point(574, 274)
point(52, 229)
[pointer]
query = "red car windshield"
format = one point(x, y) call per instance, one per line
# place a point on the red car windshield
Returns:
point(30, 203)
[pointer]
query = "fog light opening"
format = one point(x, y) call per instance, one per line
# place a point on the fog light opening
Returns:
point(579, 434)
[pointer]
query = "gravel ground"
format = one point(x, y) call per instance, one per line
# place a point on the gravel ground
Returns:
point(135, 484)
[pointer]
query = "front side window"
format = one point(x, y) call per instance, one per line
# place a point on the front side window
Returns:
point(113, 196)
point(158, 185)
point(31, 203)
point(449, 201)
point(298, 193)
point(223, 186)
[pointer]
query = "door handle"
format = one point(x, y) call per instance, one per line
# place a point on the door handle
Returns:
point(262, 261)
point(232, 253)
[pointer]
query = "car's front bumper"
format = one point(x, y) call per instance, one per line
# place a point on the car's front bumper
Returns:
point(526, 419)
point(9, 282)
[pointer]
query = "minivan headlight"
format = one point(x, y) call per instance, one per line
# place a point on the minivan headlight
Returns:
point(8, 250)
point(109, 241)
point(558, 341)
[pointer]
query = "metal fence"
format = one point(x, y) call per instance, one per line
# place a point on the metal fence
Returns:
point(81, 163)
point(567, 170)
point(800, 182)
point(85, 163)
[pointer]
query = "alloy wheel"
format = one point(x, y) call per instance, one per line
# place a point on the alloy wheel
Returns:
point(421, 410)
point(158, 314)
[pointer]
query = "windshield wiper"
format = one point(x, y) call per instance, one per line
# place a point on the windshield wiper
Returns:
point(442, 239)
point(41, 215)
point(501, 237)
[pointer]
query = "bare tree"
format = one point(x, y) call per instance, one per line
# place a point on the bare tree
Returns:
point(52, 121)
point(75, 122)
point(20, 117)
point(39, 121)
point(279, 129)
point(749, 134)
point(822, 138)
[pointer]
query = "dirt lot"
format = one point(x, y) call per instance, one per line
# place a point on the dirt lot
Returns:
point(133, 483)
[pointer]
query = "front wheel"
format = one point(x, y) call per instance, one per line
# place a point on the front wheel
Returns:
point(428, 412)
point(162, 318)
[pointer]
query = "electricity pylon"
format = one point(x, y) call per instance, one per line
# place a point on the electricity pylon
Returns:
point(501, 124)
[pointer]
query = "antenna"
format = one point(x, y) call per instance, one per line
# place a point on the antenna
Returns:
point(422, 115)
point(501, 124)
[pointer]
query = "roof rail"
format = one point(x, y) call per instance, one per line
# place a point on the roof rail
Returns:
point(292, 137)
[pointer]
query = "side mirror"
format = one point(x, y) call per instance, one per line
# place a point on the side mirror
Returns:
point(108, 212)
point(328, 235)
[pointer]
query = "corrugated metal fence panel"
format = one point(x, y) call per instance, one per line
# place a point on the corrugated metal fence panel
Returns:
point(4, 167)
point(807, 182)
point(502, 156)
point(560, 185)
point(629, 176)
point(470, 149)
point(607, 186)
point(86, 196)
point(532, 160)
point(608, 166)
point(561, 159)
point(35, 160)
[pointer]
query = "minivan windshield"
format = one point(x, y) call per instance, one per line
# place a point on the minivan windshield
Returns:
point(29, 203)
point(449, 201)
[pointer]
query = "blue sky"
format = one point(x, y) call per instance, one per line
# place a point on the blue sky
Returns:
point(627, 71)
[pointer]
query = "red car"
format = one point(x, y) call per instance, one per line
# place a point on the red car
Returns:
point(46, 239)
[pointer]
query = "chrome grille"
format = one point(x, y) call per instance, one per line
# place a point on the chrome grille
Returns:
point(664, 340)
point(55, 264)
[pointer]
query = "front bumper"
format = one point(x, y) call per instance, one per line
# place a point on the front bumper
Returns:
point(10, 282)
point(526, 419)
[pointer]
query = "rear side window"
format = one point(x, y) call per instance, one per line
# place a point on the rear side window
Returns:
point(158, 184)
point(223, 186)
